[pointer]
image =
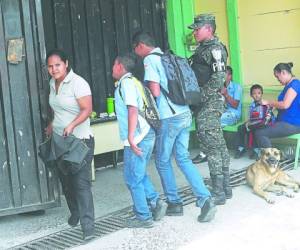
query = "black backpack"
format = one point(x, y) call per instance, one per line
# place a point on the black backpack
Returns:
point(150, 110)
point(183, 88)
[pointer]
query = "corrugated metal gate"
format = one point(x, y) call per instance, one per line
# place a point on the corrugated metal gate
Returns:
point(25, 185)
point(93, 32)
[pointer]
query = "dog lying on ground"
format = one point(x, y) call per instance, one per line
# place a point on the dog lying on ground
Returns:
point(265, 176)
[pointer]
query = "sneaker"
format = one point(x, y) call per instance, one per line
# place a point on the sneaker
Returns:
point(160, 210)
point(136, 223)
point(238, 153)
point(208, 211)
point(73, 220)
point(174, 209)
point(199, 158)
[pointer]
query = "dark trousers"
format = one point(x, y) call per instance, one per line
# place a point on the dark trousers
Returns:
point(77, 190)
point(245, 138)
point(240, 136)
point(277, 130)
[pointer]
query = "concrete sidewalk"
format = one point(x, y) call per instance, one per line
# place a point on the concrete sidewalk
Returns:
point(244, 221)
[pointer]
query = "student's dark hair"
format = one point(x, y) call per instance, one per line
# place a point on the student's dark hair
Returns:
point(57, 52)
point(143, 37)
point(256, 86)
point(229, 70)
point(284, 66)
point(128, 60)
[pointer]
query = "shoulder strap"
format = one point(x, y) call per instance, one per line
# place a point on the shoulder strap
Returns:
point(156, 53)
point(140, 87)
point(163, 91)
point(120, 93)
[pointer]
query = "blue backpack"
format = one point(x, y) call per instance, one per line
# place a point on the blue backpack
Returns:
point(183, 88)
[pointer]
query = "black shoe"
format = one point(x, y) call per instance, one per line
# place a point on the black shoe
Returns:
point(208, 211)
point(199, 159)
point(239, 153)
point(174, 209)
point(88, 234)
point(160, 210)
point(136, 223)
point(73, 220)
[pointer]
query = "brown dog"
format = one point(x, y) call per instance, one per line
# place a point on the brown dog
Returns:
point(265, 174)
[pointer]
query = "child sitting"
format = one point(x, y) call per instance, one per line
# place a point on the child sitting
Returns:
point(259, 116)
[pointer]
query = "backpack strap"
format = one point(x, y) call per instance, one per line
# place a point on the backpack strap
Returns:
point(163, 91)
point(155, 53)
point(139, 86)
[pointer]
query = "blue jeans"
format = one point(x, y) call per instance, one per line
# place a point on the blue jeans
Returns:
point(173, 138)
point(137, 180)
point(229, 118)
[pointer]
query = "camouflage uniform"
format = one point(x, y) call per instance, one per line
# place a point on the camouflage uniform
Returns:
point(209, 65)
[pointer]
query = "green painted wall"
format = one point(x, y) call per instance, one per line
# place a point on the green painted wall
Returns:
point(180, 14)
point(234, 39)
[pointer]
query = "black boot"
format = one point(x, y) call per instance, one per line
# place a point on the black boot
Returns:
point(226, 183)
point(218, 194)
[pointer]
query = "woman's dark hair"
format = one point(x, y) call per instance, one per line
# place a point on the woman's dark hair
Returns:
point(284, 66)
point(57, 52)
point(256, 86)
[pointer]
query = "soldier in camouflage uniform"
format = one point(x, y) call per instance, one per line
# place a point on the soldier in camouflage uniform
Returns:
point(209, 65)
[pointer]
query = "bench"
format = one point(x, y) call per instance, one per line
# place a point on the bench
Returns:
point(233, 128)
point(295, 137)
point(193, 125)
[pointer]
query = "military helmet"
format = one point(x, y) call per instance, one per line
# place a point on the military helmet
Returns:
point(201, 20)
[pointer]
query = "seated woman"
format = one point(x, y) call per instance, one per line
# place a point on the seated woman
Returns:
point(288, 106)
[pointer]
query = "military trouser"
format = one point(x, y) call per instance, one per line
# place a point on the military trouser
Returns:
point(212, 142)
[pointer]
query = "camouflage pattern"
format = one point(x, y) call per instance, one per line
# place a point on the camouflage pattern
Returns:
point(211, 140)
point(211, 82)
point(201, 20)
point(211, 72)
